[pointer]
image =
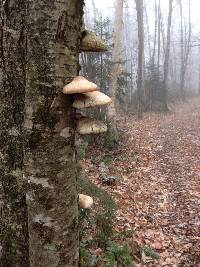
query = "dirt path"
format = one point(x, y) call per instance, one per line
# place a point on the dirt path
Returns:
point(160, 193)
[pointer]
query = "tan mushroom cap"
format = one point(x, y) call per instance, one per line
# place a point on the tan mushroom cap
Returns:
point(85, 202)
point(91, 99)
point(79, 85)
point(90, 126)
point(92, 43)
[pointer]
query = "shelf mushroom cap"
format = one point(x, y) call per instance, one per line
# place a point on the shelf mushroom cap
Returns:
point(91, 99)
point(90, 42)
point(85, 202)
point(90, 126)
point(79, 85)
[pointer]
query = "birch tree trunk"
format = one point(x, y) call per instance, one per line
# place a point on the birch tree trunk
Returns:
point(166, 60)
point(140, 80)
point(39, 46)
point(53, 52)
point(116, 69)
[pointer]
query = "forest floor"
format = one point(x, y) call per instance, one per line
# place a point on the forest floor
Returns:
point(159, 194)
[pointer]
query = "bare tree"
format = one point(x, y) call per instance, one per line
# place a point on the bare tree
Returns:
point(185, 47)
point(166, 60)
point(173, 66)
point(159, 34)
point(155, 33)
point(199, 72)
point(94, 11)
point(148, 30)
point(140, 79)
point(116, 68)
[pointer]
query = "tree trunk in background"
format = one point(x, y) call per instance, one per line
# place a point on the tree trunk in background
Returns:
point(162, 31)
point(94, 11)
point(140, 80)
point(185, 50)
point(199, 73)
point(182, 49)
point(148, 30)
point(155, 35)
point(128, 58)
point(53, 42)
point(174, 65)
point(159, 33)
point(13, 222)
point(116, 69)
point(166, 60)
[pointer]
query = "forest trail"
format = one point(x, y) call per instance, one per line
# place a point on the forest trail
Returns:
point(159, 195)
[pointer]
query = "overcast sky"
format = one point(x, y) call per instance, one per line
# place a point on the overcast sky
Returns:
point(107, 8)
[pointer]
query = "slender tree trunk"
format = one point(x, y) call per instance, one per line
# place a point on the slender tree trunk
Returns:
point(116, 69)
point(131, 85)
point(166, 60)
point(199, 82)
point(53, 42)
point(148, 30)
point(162, 32)
point(199, 73)
point(101, 58)
point(182, 50)
point(150, 99)
point(94, 11)
point(159, 34)
point(129, 57)
point(174, 64)
point(155, 34)
point(14, 220)
point(185, 50)
point(140, 80)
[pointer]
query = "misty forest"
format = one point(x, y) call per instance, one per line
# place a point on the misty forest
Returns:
point(99, 133)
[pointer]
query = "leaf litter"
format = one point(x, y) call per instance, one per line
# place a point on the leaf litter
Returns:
point(159, 194)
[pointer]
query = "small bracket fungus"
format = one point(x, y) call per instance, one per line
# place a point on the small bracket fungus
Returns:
point(79, 85)
point(90, 42)
point(85, 202)
point(90, 126)
point(91, 99)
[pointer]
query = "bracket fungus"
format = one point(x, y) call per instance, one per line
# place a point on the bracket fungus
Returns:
point(85, 202)
point(90, 42)
point(79, 85)
point(91, 99)
point(90, 126)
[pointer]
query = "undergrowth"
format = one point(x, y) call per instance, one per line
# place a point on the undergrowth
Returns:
point(118, 255)
point(97, 232)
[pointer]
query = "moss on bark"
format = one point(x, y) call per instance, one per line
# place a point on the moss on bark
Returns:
point(13, 223)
